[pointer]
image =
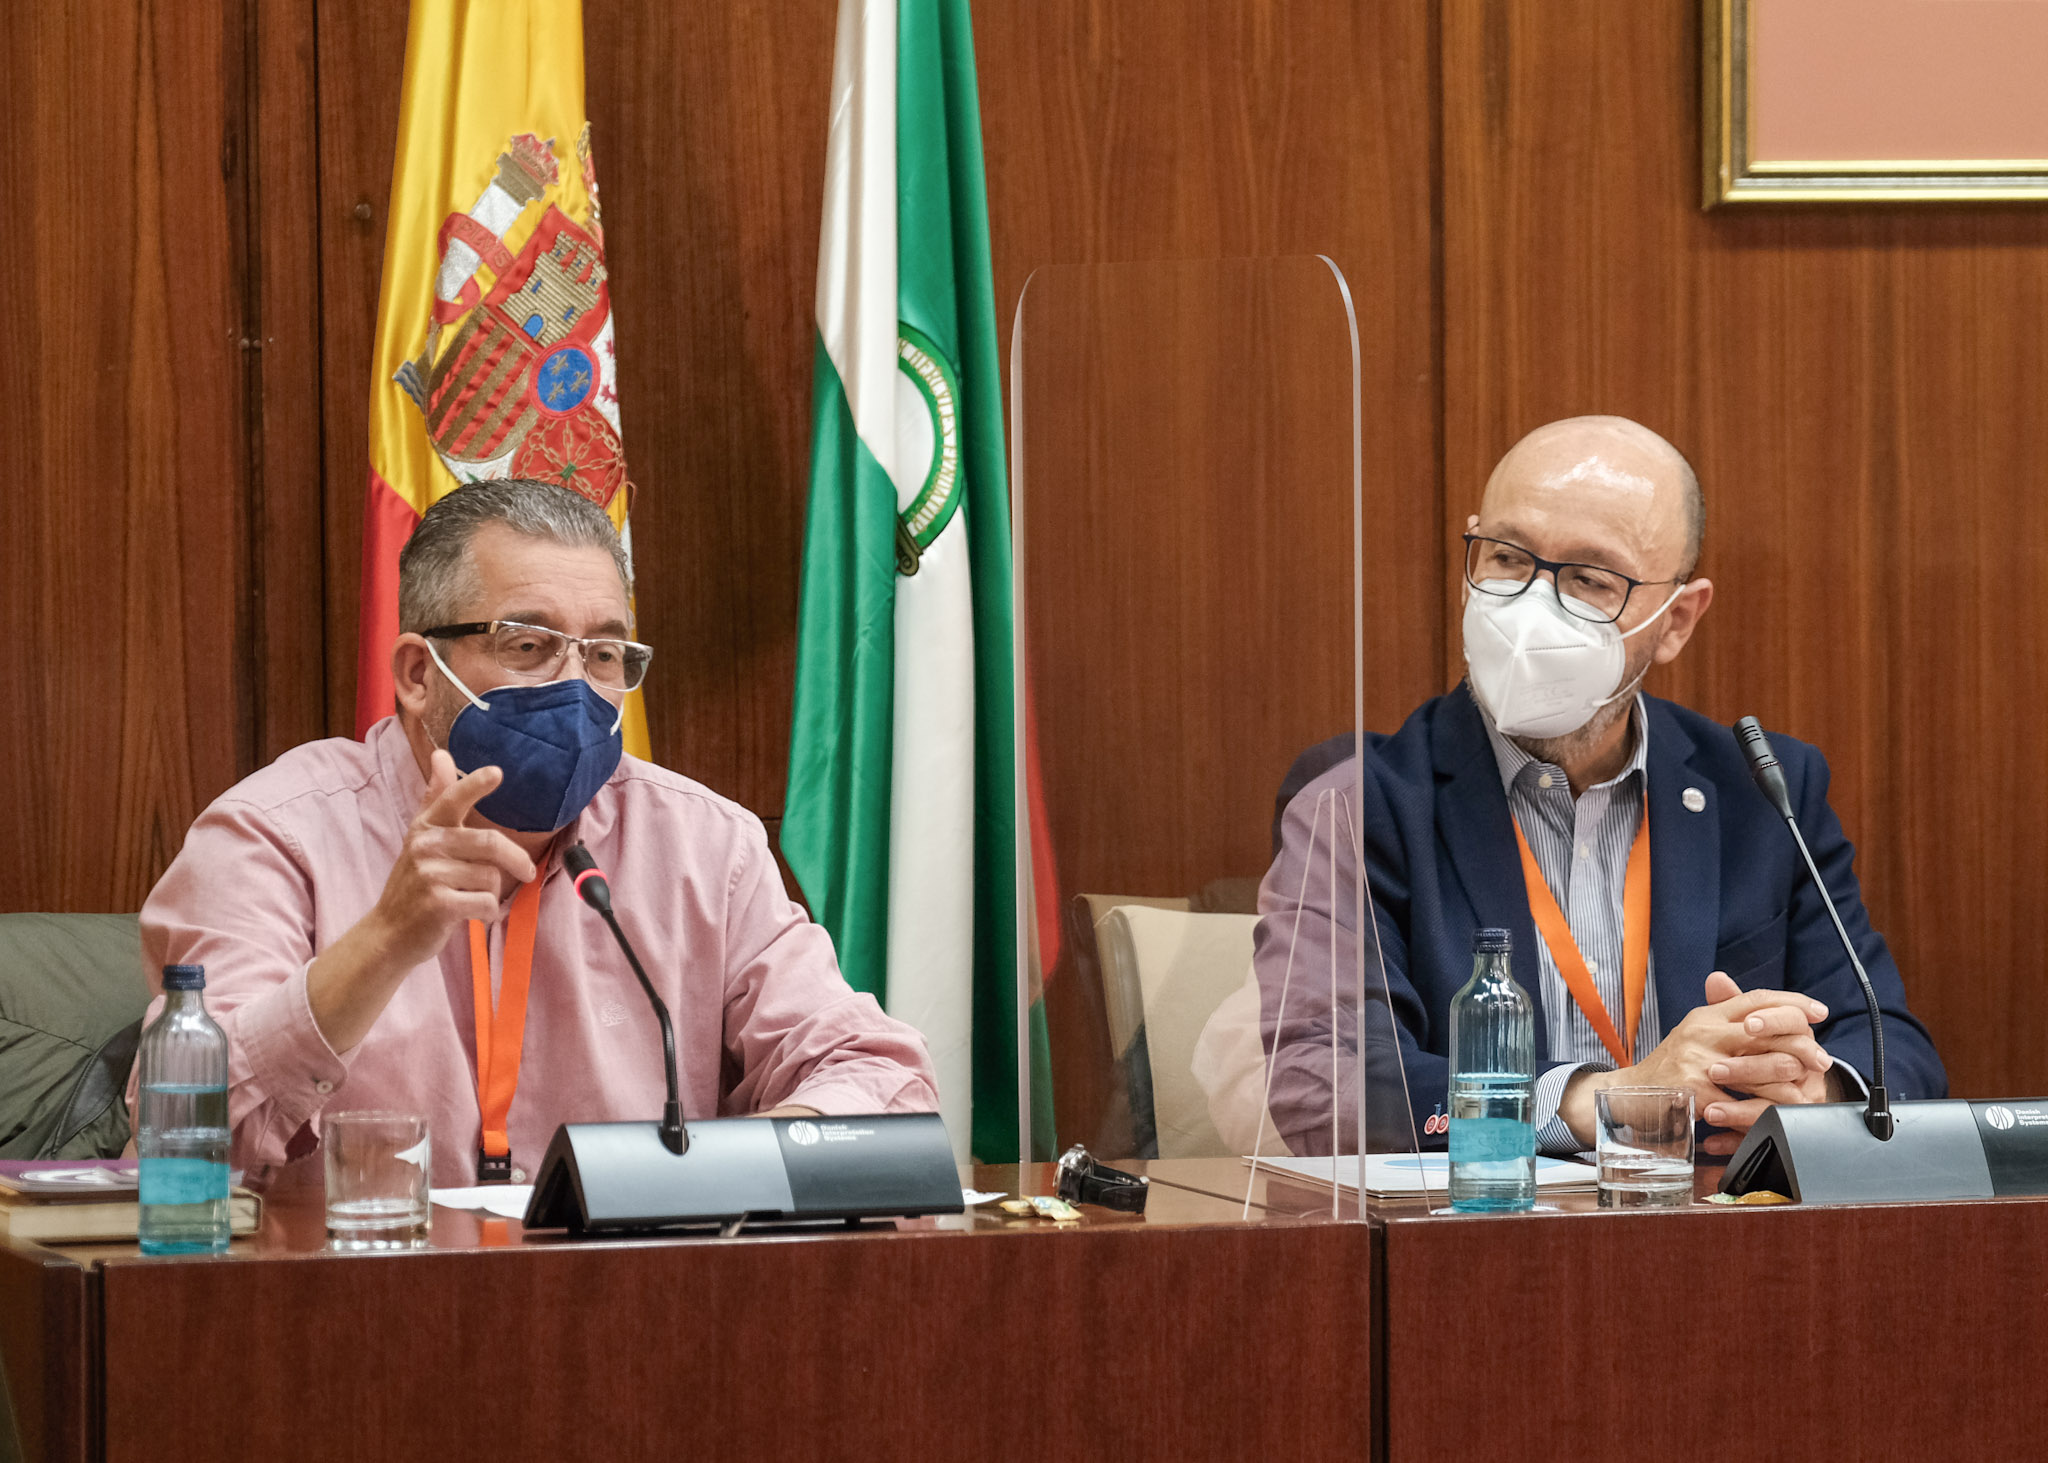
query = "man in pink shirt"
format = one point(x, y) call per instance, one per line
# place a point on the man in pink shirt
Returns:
point(340, 898)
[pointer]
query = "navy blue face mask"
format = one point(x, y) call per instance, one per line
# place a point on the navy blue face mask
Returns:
point(557, 743)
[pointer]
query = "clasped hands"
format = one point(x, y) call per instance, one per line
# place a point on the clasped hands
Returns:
point(1759, 1043)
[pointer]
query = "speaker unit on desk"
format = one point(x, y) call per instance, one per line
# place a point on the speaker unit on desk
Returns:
point(1945, 1149)
point(619, 1177)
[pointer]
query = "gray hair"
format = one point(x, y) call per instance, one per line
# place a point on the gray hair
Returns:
point(1695, 516)
point(435, 575)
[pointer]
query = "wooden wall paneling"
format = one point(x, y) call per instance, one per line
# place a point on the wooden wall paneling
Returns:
point(283, 314)
point(126, 574)
point(1189, 625)
point(1162, 129)
point(1855, 387)
point(1963, 604)
point(360, 70)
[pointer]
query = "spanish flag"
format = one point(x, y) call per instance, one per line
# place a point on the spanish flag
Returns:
point(494, 353)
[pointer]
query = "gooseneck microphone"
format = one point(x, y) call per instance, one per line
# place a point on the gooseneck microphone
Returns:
point(591, 885)
point(1770, 779)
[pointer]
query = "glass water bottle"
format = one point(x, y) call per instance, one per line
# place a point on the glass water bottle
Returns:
point(181, 1122)
point(1493, 1085)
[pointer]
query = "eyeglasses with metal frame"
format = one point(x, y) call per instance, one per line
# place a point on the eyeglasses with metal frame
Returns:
point(535, 652)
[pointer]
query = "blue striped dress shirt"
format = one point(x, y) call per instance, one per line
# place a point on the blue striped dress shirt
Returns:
point(1582, 846)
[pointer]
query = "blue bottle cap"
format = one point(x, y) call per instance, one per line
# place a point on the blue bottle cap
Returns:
point(1492, 942)
point(184, 977)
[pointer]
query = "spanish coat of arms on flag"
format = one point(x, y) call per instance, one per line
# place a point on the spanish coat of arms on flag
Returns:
point(519, 382)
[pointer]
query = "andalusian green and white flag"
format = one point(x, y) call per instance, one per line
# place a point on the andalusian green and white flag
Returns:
point(900, 822)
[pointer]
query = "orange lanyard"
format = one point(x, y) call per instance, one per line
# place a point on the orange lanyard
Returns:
point(1635, 940)
point(500, 1035)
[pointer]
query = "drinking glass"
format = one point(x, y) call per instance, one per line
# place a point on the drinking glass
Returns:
point(1645, 1147)
point(378, 1169)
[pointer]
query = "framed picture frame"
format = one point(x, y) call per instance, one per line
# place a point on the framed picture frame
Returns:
point(1873, 101)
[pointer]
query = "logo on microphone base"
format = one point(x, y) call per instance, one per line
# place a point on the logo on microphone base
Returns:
point(1999, 1116)
point(802, 1133)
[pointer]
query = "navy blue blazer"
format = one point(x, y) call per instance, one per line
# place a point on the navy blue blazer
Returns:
point(1727, 891)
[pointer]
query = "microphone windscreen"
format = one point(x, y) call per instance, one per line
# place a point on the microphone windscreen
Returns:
point(1763, 764)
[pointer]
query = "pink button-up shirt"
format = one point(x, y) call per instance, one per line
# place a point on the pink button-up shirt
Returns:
point(287, 860)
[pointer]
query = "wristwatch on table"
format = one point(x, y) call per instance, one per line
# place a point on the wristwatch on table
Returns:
point(1082, 1180)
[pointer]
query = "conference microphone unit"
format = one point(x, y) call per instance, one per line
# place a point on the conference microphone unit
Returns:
point(636, 1176)
point(1845, 1152)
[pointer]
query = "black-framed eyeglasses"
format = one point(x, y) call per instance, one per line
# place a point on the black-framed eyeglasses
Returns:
point(534, 652)
point(1495, 566)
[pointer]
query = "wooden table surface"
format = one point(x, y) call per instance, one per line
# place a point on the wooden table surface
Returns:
point(1191, 1331)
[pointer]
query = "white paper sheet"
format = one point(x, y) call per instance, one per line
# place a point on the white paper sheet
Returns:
point(506, 1200)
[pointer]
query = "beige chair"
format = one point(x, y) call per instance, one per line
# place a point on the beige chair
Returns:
point(1165, 970)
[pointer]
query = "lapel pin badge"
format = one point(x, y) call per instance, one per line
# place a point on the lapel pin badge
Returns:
point(1695, 801)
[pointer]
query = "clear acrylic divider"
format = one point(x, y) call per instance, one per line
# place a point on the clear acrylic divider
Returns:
point(1188, 535)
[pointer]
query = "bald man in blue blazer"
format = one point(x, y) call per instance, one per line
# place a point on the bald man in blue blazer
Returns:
point(1532, 798)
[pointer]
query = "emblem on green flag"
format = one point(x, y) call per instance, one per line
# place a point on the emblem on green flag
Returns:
point(932, 377)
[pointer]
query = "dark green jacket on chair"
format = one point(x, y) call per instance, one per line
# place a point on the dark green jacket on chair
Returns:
point(72, 996)
point(71, 1002)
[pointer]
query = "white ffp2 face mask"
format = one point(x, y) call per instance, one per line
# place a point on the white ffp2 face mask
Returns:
point(1538, 669)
